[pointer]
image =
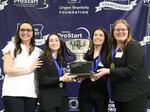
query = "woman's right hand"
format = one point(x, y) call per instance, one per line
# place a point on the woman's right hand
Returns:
point(36, 64)
point(67, 78)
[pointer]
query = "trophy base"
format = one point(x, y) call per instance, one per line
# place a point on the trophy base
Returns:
point(80, 68)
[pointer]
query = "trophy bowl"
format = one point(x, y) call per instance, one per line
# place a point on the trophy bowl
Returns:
point(79, 48)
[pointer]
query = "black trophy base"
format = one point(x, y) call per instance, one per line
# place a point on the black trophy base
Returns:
point(80, 68)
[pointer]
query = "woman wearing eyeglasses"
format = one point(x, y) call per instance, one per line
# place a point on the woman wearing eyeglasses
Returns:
point(130, 83)
point(20, 60)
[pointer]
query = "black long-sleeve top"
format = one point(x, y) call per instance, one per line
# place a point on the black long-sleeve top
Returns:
point(129, 77)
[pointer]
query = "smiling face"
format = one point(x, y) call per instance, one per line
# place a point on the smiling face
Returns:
point(25, 32)
point(120, 32)
point(98, 37)
point(54, 43)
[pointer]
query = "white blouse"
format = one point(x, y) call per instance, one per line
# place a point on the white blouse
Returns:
point(22, 85)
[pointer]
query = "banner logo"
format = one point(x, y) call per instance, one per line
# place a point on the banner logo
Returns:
point(73, 9)
point(73, 104)
point(117, 6)
point(1, 75)
point(146, 39)
point(43, 5)
point(74, 1)
point(3, 3)
point(80, 32)
point(146, 3)
point(111, 106)
point(39, 4)
point(38, 28)
point(1, 78)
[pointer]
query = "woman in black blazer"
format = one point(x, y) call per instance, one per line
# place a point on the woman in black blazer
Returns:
point(52, 91)
point(93, 95)
point(130, 83)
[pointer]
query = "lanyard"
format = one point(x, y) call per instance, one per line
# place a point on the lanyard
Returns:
point(112, 65)
point(113, 53)
point(59, 68)
point(97, 61)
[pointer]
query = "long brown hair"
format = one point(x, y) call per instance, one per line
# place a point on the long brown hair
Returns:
point(48, 52)
point(104, 49)
point(18, 40)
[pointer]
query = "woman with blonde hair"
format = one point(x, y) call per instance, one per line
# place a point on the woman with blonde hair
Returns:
point(129, 78)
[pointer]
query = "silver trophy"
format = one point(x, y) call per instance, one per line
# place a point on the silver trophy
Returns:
point(79, 48)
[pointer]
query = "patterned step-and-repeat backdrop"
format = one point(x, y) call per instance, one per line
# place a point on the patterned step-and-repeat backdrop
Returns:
point(74, 19)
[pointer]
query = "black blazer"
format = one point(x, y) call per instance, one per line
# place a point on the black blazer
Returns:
point(50, 93)
point(129, 77)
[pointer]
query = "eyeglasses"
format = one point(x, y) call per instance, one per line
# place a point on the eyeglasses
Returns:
point(123, 30)
point(27, 30)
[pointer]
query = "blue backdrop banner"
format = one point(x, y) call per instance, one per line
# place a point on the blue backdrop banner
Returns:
point(74, 19)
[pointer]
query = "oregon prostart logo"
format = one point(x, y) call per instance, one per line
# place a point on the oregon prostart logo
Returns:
point(3, 3)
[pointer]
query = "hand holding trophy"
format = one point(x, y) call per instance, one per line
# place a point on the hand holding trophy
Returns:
point(79, 67)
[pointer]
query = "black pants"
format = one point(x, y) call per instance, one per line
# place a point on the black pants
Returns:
point(62, 108)
point(19, 104)
point(136, 105)
point(88, 105)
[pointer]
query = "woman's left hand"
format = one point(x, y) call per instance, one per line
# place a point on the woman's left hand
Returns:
point(100, 72)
